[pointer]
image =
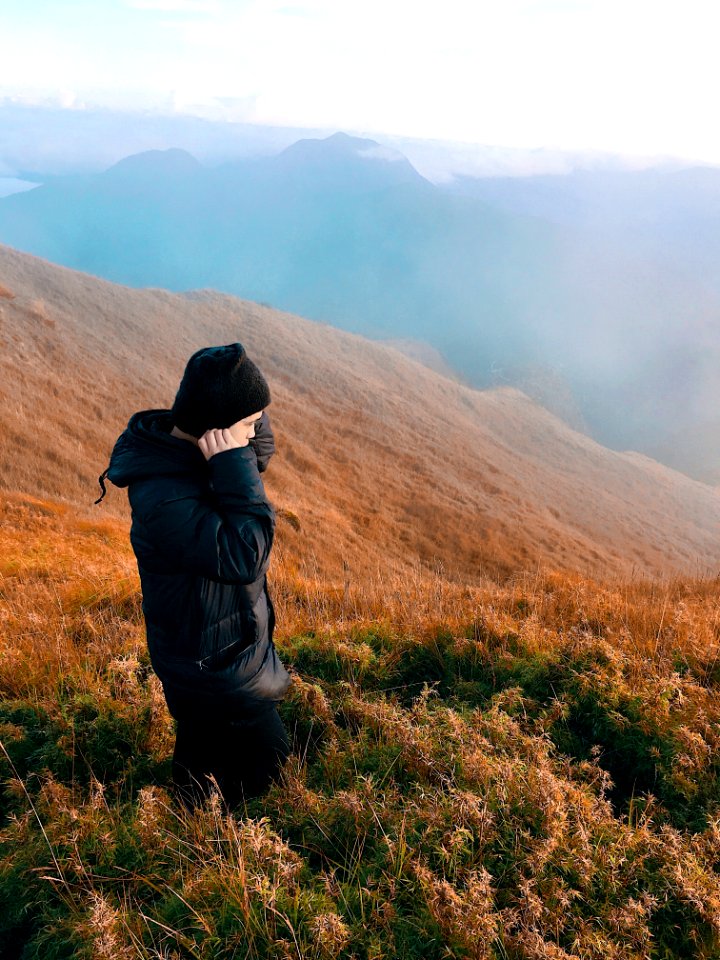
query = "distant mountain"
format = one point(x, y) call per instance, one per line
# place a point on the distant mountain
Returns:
point(342, 230)
point(584, 289)
point(155, 164)
point(341, 162)
point(42, 141)
point(380, 461)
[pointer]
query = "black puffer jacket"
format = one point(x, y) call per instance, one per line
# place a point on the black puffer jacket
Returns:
point(202, 531)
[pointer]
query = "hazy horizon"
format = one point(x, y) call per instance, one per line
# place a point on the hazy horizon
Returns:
point(529, 75)
point(595, 292)
point(84, 140)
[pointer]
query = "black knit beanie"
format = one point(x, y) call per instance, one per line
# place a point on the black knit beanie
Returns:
point(220, 386)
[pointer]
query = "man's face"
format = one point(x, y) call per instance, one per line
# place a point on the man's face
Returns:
point(245, 429)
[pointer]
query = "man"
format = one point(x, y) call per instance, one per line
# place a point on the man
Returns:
point(202, 531)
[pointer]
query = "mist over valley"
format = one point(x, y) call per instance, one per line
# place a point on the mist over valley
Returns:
point(593, 291)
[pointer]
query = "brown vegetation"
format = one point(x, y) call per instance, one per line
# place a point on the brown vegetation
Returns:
point(525, 770)
point(382, 463)
point(495, 755)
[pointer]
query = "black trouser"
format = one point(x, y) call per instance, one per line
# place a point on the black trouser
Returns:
point(244, 755)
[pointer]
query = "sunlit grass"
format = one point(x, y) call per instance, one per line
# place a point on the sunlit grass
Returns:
point(517, 771)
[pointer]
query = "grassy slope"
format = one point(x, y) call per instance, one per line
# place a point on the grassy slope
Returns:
point(381, 462)
point(488, 772)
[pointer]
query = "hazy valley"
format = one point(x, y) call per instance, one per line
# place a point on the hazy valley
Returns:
point(592, 291)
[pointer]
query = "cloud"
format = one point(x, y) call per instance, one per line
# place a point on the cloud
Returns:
point(175, 6)
point(382, 153)
point(521, 73)
point(68, 100)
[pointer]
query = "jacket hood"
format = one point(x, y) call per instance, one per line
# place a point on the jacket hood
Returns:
point(146, 448)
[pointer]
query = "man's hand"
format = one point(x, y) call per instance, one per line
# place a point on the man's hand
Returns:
point(216, 440)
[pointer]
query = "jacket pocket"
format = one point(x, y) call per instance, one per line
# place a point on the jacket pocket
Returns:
point(222, 643)
point(225, 657)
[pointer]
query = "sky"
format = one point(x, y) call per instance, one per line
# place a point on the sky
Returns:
point(636, 77)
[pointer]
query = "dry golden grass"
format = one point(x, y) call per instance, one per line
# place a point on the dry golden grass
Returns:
point(525, 769)
point(381, 463)
point(504, 711)
point(58, 561)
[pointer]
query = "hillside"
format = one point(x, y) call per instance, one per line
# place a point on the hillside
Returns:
point(382, 463)
point(527, 772)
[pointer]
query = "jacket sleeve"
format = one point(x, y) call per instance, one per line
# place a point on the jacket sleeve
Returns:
point(263, 442)
point(178, 529)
